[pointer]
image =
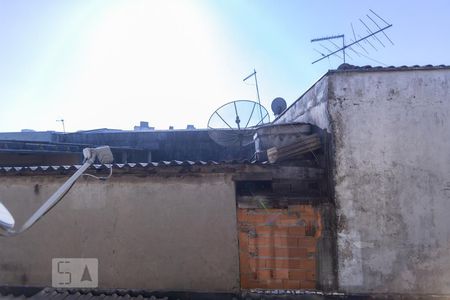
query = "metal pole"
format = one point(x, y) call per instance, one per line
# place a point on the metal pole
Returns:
point(62, 122)
point(257, 93)
point(343, 46)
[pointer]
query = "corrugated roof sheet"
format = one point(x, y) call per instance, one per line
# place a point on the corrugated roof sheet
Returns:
point(161, 164)
point(94, 294)
point(348, 67)
point(56, 294)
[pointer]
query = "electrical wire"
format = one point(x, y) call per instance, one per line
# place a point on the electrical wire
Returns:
point(101, 177)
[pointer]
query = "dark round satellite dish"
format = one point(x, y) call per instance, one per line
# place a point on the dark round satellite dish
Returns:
point(234, 123)
point(278, 106)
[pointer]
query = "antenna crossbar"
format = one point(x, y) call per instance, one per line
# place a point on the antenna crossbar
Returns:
point(340, 36)
point(353, 43)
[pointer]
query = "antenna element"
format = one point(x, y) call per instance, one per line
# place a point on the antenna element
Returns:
point(371, 33)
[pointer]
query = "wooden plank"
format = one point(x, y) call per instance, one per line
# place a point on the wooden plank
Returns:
point(294, 150)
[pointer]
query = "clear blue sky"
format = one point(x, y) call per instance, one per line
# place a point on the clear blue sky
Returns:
point(113, 63)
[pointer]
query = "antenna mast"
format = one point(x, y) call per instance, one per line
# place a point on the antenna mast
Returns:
point(62, 122)
point(257, 90)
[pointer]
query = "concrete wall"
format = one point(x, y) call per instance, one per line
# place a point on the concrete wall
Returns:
point(390, 132)
point(174, 233)
point(392, 179)
point(311, 107)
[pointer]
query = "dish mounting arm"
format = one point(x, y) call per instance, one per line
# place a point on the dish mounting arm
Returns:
point(103, 154)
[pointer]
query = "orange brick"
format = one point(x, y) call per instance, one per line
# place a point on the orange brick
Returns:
point(265, 230)
point(268, 263)
point(291, 284)
point(246, 278)
point(310, 275)
point(282, 231)
point(297, 274)
point(245, 281)
point(262, 241)
point(252, 248)
point(264, 274)
point(241, 215)
point(294, 252)
point(286, 252)
point(282, 252)
point(296, 231)
point(254, 284)
point(286, 241)
point(266, 251)
point(303, 264)
point(307, 264)
point(251, 262)
point(291, 263)
point(244, 263)
point(250, 275)
point(264, 263)
point(290, 221)
point(243, 240)
point(283, 263)
point(274, 284)
point(307, 284)
point(307, 242)
point(281, 273)
point(281, 242)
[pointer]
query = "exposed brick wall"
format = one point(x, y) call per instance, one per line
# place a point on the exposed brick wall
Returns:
point(277, 247)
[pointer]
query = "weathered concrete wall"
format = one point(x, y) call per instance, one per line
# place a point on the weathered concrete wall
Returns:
point(390, 133)
point(311, 107)
point(392, 179)
point(147, 232)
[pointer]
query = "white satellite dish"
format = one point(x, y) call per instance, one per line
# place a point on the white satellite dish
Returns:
point(6, 219)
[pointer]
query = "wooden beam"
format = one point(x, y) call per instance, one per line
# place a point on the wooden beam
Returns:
point(294, 150)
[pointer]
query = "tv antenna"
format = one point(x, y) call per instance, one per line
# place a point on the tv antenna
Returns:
point(257, 90)
point(371, 32)
point(62, 122)
point(234, 123)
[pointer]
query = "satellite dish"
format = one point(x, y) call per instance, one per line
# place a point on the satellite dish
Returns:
point(234, 123)
point(278, 106)
point(6, 219)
